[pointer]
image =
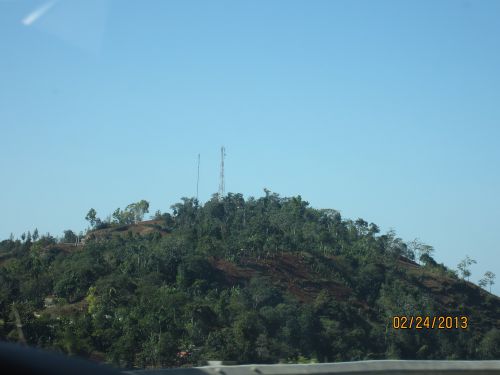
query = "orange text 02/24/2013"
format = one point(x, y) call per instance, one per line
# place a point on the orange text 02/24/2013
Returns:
point(430, 322)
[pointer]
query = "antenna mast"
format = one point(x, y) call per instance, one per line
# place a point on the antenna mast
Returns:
point(198, 178)
point(222, 186)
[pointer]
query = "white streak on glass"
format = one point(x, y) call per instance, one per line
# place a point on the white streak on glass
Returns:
point(37, 13)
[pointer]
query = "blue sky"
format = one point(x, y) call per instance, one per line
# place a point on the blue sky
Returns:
point(383, 110)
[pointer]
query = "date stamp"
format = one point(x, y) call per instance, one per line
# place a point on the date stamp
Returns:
point(430, 322)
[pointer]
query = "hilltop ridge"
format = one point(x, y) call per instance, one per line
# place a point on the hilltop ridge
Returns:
point(259, 280)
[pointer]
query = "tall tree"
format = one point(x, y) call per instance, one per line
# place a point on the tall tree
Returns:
point(464, 267)
point(488, 279)
point(92, 217)
point(420, 249)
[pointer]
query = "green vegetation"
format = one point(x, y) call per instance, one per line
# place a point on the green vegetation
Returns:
point(463, 267)
point(487, 280)
point(258, 280)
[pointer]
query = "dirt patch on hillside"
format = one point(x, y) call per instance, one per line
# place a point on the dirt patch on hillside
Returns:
point(288, 271)
point(142, 228)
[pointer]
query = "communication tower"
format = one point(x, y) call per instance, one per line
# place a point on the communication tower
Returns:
point(198, 177)
point(222, 186)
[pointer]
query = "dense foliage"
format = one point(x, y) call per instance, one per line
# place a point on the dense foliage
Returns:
point(163, 297)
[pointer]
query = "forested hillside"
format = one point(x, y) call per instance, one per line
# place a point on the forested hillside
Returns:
point(258, 280)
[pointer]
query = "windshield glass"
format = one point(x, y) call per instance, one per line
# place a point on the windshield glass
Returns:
point(250, 181)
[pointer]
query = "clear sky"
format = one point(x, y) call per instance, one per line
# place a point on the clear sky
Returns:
point(385, 110)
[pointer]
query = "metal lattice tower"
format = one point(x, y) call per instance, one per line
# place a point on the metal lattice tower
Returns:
point(222, 186)
point(198, 177)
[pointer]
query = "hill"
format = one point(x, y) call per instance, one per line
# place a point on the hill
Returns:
point(258, 280)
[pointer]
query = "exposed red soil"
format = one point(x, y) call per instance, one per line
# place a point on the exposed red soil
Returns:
point(288, 271)
point(142, 228)
point(408, 263)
